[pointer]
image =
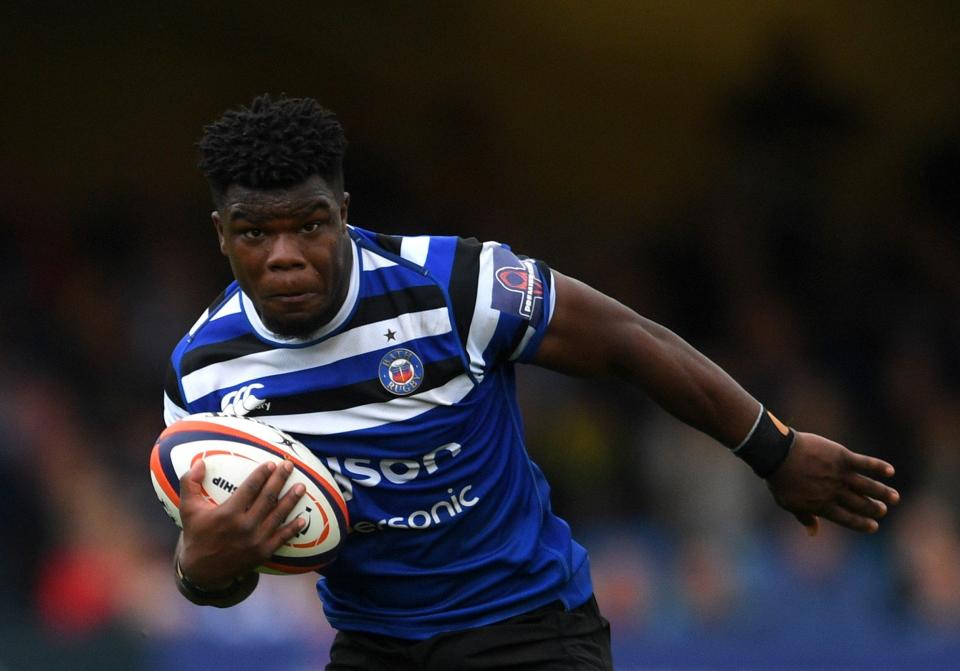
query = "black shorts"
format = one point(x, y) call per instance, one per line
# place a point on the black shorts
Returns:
point(544, 639)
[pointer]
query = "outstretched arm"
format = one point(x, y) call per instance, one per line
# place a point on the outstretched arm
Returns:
point(592, 334)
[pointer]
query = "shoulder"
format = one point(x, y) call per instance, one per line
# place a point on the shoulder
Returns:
point(184, 358)
point(442, 257)
point(222, 321)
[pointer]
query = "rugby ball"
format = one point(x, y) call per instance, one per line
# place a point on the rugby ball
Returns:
point(231, 448)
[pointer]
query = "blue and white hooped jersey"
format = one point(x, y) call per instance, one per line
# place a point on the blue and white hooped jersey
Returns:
point(408, 395)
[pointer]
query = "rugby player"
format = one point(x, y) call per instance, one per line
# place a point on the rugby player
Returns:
point(393, 358)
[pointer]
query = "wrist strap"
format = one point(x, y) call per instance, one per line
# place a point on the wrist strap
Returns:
point(767, 444)
point(227, 596)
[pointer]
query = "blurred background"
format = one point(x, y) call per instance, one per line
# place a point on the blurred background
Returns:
point(776, 181)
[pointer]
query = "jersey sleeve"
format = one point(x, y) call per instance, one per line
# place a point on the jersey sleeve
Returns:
point(514, 304)
point(173, 405)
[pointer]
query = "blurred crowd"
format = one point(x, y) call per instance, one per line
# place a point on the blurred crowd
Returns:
point(842, 321)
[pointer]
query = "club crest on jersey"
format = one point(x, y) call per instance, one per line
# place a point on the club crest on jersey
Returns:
point(522, 280)
point(401, 371)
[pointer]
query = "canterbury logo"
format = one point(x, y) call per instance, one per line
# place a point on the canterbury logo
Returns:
point(243, 401)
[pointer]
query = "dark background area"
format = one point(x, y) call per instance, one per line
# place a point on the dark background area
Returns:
point(777, 182)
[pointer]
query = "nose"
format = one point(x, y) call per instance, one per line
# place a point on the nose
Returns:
point(285, 253)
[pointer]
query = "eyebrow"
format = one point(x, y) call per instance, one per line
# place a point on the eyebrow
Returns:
point(322, 203)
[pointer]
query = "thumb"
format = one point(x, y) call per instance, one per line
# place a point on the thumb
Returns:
point(191, 483)
point(811, 522)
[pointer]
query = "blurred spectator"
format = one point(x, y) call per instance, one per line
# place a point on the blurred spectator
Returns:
point(927, 548)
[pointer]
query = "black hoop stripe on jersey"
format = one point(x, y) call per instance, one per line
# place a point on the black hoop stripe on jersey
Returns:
point(207, 355)
point(395, 303)
point(391, 243)
point(463, 285)
point(436, 374)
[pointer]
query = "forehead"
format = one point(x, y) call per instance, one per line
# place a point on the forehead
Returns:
point(308, 196)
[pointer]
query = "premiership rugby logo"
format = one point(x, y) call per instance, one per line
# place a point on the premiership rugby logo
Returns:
point(522, 281)
point(401, 371)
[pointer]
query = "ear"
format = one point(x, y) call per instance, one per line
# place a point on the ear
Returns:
point(344, 206)
point(218, 225)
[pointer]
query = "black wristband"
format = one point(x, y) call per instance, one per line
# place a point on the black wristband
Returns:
point(767, 444)
point(233, 594)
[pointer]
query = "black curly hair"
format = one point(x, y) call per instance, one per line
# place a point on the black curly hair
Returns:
point(272, 144)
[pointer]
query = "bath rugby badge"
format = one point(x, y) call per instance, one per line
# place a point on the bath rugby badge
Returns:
point(401, 371)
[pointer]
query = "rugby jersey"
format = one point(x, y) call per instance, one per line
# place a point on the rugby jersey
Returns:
point(408, 395)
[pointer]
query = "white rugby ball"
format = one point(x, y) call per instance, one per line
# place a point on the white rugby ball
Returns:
point(231, 448)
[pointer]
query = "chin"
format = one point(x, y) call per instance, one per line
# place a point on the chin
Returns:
point(294, 327)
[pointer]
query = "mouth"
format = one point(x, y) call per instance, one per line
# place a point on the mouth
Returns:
point(292, 296)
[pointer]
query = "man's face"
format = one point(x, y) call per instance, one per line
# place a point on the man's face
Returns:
point(290, 251)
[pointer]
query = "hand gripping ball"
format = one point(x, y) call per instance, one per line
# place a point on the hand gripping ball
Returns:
point(231, 448)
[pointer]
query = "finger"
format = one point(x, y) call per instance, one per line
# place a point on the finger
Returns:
point(845, 518)
point(865, 486)
point(870, 465)
point(285, 531)
point(248, 490)
point(810, 522)
point(269, 496)
point(287, 503)
point(862, 505)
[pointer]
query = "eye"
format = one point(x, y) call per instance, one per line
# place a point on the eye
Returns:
point(312, 227)
point(252, 234)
